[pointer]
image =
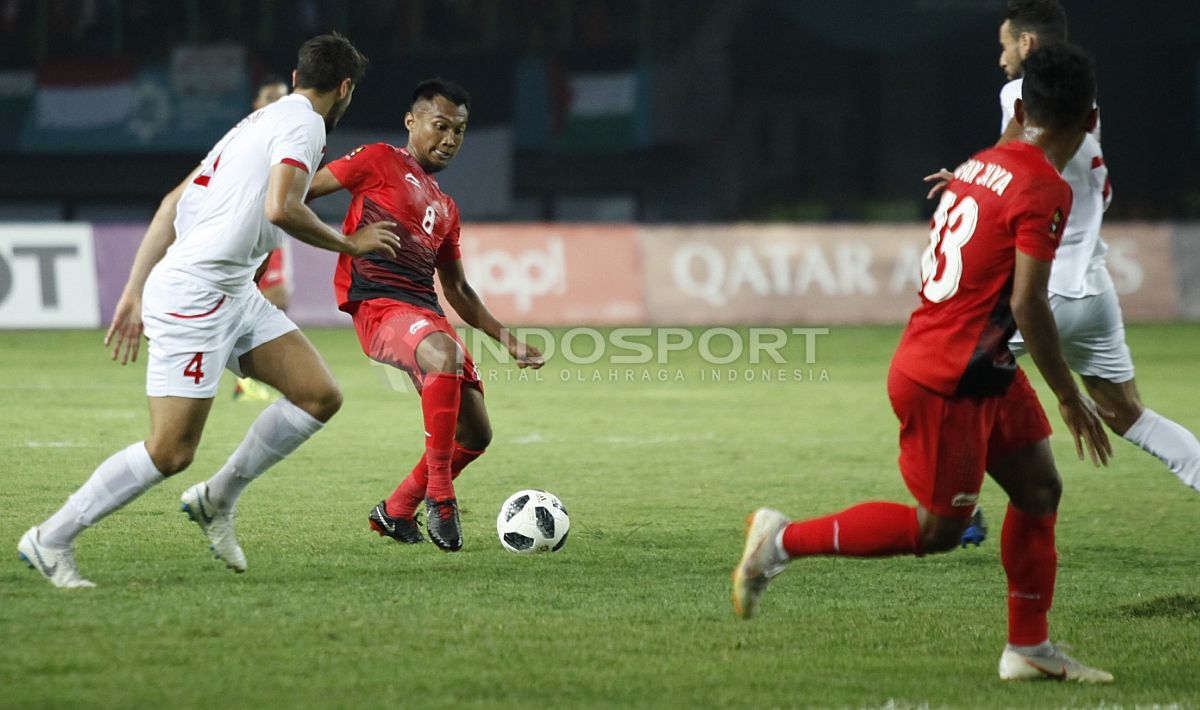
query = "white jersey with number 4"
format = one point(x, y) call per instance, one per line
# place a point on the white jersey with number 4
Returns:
point(222, 233)
point(1078, 269)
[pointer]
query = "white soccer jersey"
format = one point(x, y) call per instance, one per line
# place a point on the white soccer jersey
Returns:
point(1078, 269)
point(222, 233)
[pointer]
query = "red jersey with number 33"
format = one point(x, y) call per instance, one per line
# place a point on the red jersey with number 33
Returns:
point(1002, 200)
point(387, 184)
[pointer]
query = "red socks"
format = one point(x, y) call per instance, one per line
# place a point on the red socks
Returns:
point(864, 530)
point(411, 491)
point(1030, 563)
point(440, 397)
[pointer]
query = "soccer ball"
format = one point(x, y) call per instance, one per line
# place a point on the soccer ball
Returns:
point(532, 521)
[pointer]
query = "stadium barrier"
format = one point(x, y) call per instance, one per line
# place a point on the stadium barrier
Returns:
point(71, 275)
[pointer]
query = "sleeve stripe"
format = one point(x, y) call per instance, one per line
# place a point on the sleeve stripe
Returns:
point(294, 163)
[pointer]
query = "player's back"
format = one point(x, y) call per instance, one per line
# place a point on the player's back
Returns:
point(1000, 201)
point(221, 226)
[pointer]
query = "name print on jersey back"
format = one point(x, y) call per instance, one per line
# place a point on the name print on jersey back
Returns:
point(1001, 201)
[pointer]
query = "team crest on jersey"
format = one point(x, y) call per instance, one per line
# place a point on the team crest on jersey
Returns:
point(1056, 221)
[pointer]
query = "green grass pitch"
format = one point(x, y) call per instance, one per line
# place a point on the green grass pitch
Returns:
point(658, 477)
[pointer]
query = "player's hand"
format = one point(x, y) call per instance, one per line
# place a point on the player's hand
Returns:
point(1087, 428)
point(126, 329)
point(940, 180)
point(376, 237)
point(526, 355)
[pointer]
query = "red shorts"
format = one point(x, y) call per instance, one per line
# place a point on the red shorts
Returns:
point(389, 332)
point(946, 443)
point(274, 274)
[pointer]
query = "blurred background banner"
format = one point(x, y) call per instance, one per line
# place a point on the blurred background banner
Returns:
point(554, 274)
point(48, 276)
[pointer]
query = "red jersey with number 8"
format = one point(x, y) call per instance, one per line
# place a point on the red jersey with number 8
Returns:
point(387, 184)
point(1000, 201)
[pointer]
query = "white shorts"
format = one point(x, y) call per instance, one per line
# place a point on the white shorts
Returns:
point(1092, 334)
point(196, 332)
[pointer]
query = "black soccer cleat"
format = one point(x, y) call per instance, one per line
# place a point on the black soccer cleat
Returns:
point(405, 530)
point(441, 522)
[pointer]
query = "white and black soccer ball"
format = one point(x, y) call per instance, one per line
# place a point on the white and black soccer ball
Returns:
point(533, 521)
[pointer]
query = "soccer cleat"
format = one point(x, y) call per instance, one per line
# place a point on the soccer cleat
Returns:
point(250, 390)
point(1051, 664)
point(56, 564)
point(216, 524)
point(405, 530)
point(441, 522)
point(761, 560)
point(977, 529)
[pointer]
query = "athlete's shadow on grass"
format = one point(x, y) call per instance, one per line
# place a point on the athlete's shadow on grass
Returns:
point(1174, 606)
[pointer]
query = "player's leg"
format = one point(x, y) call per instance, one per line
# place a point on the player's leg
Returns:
point(1020, 461)
point(1094, 345)
point(290, 364)
point(269, 348)
point(473, 434)
point(440, 359)
point(941, 458)
point(176, 424)
point(273, 284)
point(1166, 440)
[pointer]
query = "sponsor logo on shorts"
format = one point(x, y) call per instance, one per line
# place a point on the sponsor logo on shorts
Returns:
point(964, 500)
point(418, 326)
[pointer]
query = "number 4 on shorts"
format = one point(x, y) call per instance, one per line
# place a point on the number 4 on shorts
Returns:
point(193, 369)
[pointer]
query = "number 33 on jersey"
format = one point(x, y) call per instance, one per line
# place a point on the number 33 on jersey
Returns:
point(1003, 200)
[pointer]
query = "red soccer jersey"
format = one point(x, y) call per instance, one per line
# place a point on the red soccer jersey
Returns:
point(387, 184)
point(1001, 200)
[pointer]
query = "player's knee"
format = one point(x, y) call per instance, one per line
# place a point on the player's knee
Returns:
point(325, 403)
point(1040, 496)
point(170, 460)
point(439, 353)
point(941, 534)
point(475, 439)
point(940, 540)
point(1122, 414)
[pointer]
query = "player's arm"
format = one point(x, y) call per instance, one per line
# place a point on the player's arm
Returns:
point(125, 332)
point(323, 183)
point(1031, 309)
point(467, 304)
point(285, 208)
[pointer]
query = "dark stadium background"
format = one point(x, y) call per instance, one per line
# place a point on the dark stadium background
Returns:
point(753, 110)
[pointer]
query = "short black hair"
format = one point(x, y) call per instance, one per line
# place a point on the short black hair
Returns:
point(437, 86)
point(1059, 88)
point(1045, 18)
point(327, 61)
point(271, 80)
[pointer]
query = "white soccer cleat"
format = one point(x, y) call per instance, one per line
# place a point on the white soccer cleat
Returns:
point(761, 560)
point(56, 564)
point(216, 524)
point(1053, 664)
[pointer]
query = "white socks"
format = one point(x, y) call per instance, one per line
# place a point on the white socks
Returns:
point(122, 477)
point(1169, 442)
point(278, 431)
